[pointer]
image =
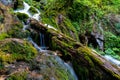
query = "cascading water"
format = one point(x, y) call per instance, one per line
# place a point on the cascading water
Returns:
point(110, 59)
point(67, 67)
point(34, 44)
point(42, 41)
point(113, 60)
point(25, 10)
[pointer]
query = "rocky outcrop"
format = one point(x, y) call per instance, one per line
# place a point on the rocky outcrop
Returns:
point(87, 63)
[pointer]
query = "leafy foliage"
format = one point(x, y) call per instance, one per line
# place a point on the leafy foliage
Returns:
point(112, 45)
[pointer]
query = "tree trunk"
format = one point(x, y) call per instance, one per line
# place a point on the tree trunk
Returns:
point(87, 63)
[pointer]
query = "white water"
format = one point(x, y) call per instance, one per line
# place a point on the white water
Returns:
point(113, 60)
point(110, 59)
point(26, 11)
point(25, 26)
point(65, 65)
point(49, 26)
point(34, 44)
point(42, 41)
point(36, 15)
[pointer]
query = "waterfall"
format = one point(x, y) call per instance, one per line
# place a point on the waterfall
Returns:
point(67, 66)
point(25, 10)
point(34, 44)
point(42, 47)
point(42, 41)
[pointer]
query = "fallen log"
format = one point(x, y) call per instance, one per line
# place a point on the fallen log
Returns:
point(87, 63)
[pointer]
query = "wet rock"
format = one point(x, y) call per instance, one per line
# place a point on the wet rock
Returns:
point(6, 2)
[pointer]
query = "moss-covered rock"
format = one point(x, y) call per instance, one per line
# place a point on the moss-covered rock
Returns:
point(22, 16)
point(16, 49)
point(16, 31)
point(43, 67)
point(32, 10)
point(54, 68)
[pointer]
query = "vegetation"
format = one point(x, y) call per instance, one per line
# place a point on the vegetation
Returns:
point(18, 4)
point(32, 10)
point(15, 49)
point(22, 16)
point(112, 46)
point(71, 19)
point(93, 64)
point(18, 76)
point(84, 15)
point(3, 36)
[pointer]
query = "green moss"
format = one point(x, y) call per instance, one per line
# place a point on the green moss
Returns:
point(32, 10)
point(81, 71)
point(12, 50)
point(3, 36)
point(22, 16)
point(61, 43)
point(88, 52)
point(18, 76)
point(65, 27)
point(34, 3)
point(49, 20)
point(17, 32)
point(60, 72)
point(61, 75)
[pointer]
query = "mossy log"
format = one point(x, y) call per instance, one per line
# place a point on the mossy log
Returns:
point(87, 63)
